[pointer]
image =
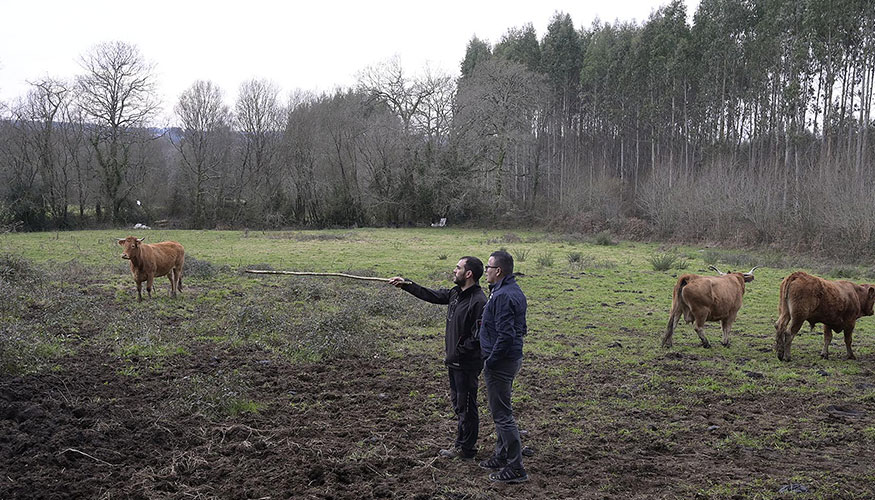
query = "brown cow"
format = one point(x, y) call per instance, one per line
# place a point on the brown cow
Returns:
point(836, 304)
point(155, 260)
point(707, 298)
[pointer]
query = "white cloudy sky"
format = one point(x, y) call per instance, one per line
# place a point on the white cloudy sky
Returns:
point(314, 45)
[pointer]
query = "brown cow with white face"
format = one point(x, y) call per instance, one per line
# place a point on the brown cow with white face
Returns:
point(836, 304)
point(155, 260)
point(707, 298)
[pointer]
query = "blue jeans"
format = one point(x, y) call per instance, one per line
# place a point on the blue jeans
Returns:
point(499, 381)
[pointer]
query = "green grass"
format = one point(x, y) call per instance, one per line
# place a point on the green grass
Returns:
point(598, 309)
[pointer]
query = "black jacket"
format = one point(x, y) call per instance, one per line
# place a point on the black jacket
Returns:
point(463, 321)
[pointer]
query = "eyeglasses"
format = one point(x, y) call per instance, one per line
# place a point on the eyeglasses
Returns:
point(490, 267)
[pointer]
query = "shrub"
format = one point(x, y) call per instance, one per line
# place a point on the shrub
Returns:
point(603, 238)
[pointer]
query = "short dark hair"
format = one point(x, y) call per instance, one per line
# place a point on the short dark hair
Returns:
point(503, 260)
point(474, 265)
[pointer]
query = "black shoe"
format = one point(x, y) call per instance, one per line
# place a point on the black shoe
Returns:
point(456, 453)
point(509, 476)
point(493, 463)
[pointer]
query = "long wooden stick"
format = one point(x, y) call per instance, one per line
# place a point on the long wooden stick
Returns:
point(302, 273)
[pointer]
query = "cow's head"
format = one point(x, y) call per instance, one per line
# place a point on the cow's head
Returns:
point(868, 300)
point(748, 276)
point(131, 246)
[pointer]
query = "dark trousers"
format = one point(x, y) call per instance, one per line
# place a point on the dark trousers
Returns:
point(499, 381)
point(463, 393)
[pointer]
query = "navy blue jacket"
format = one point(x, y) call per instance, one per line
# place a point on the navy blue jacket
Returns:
point(504, 323)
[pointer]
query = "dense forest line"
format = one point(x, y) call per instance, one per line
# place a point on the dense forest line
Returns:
point(752, 124)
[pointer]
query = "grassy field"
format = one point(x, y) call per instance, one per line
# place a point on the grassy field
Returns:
point(331, 388)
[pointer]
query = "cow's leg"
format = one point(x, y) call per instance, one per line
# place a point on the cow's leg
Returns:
point(700, 331)
point(179, 279)
point(149, 281)
point(727, 326)
point(795, 325)
point(172, 277)
point(849, 334)
point(827, 338)
point(139, 291)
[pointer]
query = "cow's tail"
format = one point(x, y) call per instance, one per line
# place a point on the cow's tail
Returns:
point(677, 299)
point(784, 314)
point(179, 271)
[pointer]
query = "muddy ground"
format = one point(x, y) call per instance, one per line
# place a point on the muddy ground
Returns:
point(364, 428)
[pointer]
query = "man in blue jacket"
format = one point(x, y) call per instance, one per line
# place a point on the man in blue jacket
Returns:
point(466, 301)
point(501, 343)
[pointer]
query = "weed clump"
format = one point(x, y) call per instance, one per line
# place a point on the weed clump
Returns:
point(310, 289)
point(309, 236)
point(545, 260)
point(520, 254)
point(215, 395)
point(199, 268)
point(17, 269)
point(506, 238)
point(733, 259)
point(711, 257)
point(662, 262)
point(337, 334)
point(843, 272)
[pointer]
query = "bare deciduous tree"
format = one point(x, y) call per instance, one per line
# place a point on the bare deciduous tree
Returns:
point(117, 94)
point(203, 144)
point(48, 103)
point(496, 117)
point(421, 103)
point(260, 120)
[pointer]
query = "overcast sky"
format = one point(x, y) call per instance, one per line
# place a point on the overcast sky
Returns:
point(314, 45)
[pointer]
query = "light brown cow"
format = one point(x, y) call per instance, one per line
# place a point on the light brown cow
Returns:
point(836, 304)
point(707, 298)
point(155, 260)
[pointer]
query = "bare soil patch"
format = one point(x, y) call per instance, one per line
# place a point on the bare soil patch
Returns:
point(370, 428)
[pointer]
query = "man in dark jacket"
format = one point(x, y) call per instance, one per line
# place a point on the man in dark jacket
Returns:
point(466, 301)
point(501, 342)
